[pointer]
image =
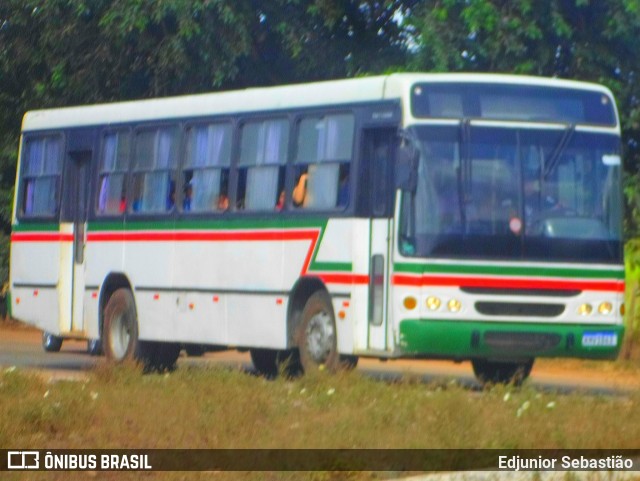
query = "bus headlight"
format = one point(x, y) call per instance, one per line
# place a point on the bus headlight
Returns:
point(605, 308)
point(433, 303)
point(410, 303)
point(454, 305)
point(585, 309)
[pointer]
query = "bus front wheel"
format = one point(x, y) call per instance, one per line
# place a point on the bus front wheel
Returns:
point(499, 372)
point(316, 334)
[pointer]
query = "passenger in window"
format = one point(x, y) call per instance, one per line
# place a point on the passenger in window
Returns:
point(171, 198)
point(280, 204)
point(188, 195)
point(123, 203)
point(223, 202)
point(299, 193)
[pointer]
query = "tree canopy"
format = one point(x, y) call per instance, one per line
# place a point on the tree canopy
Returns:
point(65, 52)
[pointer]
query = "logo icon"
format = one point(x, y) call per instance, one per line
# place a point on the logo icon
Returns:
point(23, 460)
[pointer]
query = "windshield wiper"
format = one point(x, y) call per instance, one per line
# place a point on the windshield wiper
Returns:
point(554, 158)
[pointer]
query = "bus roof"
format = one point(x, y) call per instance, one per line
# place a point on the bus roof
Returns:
point(333, 92)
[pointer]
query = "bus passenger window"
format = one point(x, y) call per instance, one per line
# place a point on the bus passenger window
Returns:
point(154, 164)
point(41, 171)
point(325, 148)
point(206, 169)
point(263, 154)
point(114, 162)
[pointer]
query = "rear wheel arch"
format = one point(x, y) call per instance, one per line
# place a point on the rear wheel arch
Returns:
point(113, 282)
point(300, 294)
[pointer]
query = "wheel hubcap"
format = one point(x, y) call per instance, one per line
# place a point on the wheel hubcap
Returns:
point(120, 336)
point(320, 337)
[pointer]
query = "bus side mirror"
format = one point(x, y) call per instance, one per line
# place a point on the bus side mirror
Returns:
point(406, 168)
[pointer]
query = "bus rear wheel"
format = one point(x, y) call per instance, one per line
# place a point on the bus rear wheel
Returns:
point(500, 372)
point(316, 334)
point(120, 336)
point(51, 343)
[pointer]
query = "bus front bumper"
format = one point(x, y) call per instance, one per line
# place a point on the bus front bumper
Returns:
point(508, 340)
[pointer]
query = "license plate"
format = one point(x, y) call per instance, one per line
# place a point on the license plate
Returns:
point(599, 339)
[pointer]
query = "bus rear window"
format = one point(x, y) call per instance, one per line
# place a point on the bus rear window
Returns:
point(526, 103)
point(41, 171)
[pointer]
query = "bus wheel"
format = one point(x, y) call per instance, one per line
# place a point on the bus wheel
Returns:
point(494, 372)
point(316, 334)
point(120, 332)
point(51, 343)
point(348, 362)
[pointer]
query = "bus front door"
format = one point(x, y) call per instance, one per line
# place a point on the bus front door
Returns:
point(378, 151)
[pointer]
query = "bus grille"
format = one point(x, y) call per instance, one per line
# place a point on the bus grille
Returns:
point(508, 341)
point(519, 309)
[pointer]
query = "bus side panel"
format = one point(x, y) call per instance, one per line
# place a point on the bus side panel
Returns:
point(34, 298)
point(257, 320)
point(101, 260)
point(149, 265)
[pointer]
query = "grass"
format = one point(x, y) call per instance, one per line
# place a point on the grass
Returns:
point(217, 407)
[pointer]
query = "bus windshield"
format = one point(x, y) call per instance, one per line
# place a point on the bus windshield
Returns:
point(496, 192)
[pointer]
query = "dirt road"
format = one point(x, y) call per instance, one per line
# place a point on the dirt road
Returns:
point(21, 347)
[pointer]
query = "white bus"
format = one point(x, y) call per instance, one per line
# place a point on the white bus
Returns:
point(450, 216)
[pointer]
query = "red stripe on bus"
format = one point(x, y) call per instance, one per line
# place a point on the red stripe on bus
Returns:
point(201, 236)
point(41, 237)
point(343, 278)
point(506, 283)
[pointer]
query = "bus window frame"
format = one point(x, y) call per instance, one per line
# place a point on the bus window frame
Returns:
point(353, 162)
point(235, 167)
point(141, 127)
point(182, 160)
point(127, 172)
point(26, 137)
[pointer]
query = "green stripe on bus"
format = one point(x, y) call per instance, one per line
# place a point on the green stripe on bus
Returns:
point(331, 266)
point(215, 224)
point(35, 227)
point(526, 271)
point(466, 339)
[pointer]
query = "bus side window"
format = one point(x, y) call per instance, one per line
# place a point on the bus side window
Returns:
point(323, 162)
point(41, 174)
point(114, 162)
point(263, 154)
point(154, 164)
point(206, 170)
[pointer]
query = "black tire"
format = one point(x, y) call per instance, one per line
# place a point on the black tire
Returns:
point(94, 347)
point(270, 362)
point(120, 337)
point(348, 362)
point(315, 336)
point(51, 343)
point(496, 372)
point(120, 331)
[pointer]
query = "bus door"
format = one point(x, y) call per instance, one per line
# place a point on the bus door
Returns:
point(378, 155)
point(76, 191)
